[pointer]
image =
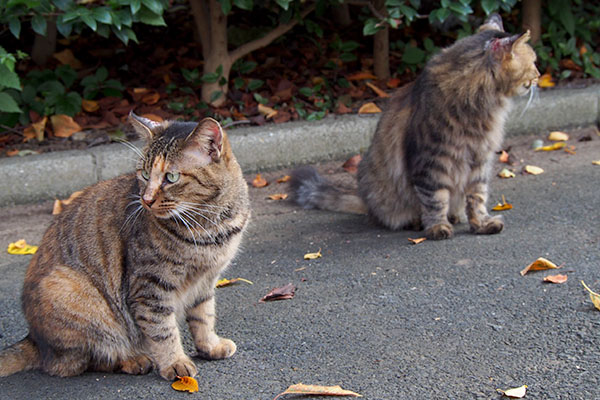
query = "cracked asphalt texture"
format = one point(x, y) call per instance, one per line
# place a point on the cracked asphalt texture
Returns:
point(376, 314)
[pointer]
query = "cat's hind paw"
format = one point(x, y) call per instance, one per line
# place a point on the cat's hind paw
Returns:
point(139, 365)
point(439, 232)
point(224, 349)
point(490, 226)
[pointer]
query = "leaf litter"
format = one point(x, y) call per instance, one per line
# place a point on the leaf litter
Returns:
point(281, 293)
point(21, 247)
point(185, 384)
point(514, 393)
point(317, 390)
point(595, 297)
point(226, 282)
point(313, 256)
point(539, 265)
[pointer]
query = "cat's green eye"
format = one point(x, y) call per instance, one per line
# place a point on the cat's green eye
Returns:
point(172, 177)
point(145, 174)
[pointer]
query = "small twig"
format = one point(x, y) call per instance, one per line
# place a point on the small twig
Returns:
point(13, 130)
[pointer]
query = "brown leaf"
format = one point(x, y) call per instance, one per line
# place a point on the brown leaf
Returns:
point(504, 157)
point(284, 179)
point(90, 105)
point(66, 57)
point(151, 98)
point(539, 265)
point(12, 153)
point(417, 240)
point(280, 293)
point(35, 130)
point(393, 83)
point(558, 278)
point(64, 126)
point(378, 91)
point(185, 384)
point(317, 390)
point(351, 165)
point(278, 196)
point(369, 108)
point(342, 108)
point(281, 116)
point(361, 76)
point(259, 181)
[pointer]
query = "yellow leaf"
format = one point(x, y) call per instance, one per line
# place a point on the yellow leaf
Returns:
point(552, 147)
point(317, 390)
point(278, 196)
point(515, 393)
point(558, 278)
point(595, 297)
point(558, 136)
point(539, 265)
point(284, 179)
point(506, 173)
point(533, 170)
point(35, 130)
point(502, 206)
point(313, 256)
point(268, 112)
point(545, 81)
point(226, 282)
point(185, 384)
point(89, 105)
point(259, 181)
point(597, 162)
point(378, 91)
point(64, 126)
point(417, 240)
point(21, 247)
point(369, 108)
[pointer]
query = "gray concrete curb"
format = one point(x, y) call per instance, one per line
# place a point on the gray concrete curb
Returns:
point(57, 175)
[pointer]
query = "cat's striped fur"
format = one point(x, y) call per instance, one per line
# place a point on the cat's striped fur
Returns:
point(133, 256)
point(431, 154)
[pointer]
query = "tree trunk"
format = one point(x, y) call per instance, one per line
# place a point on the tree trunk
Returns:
point(532, 18)
point(341, 15)
point(44, 46)
point(381, 55)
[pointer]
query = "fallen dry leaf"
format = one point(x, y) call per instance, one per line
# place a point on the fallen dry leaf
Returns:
point(67, 57)
point(90, 105)
point(185, 384)
point(259, 181)
point(570, 150)
point(278, 196)
point(317, 390)
point(226, 282)
point(361, 76)
point(21, 247)
point(595, 297)
point(64, 126)
point(504, 157)
point(12, 153)
point(552, 147)
point(539, 265)
point(515, 393)
point(369, 108)
point(351, 165)
point(533, 170)
point(35, 130)
point(558, 278)
point(280, 293)
point(284, 179)
point(313, 256)
point(378, 91)
point(268, 112)
point(506, 173)
point(151, 98)
point(58, 204)
point(545, 81)
point(558, 136)
point(596, 162)
point(393, 83)
point(417, 240)
point(502, 206)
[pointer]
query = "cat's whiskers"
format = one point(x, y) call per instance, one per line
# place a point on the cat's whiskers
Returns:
point(204, 205)
point(133, 216)
point(533, 94)
point(190, 211)
point(131, 146)
point(189, 219)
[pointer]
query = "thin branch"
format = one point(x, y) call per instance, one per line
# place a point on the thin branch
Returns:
point(369, 4)
point(268, 38)
point(9, 129)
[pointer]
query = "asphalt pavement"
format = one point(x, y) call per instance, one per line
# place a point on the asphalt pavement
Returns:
point(376, 314)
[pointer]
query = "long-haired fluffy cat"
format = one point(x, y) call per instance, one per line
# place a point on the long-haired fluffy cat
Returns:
point(133, 256)
point(430, 158)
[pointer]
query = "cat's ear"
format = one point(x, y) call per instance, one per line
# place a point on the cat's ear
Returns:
point(494, 22)
point(143, 126)
point(501, 48)
point(205, 142)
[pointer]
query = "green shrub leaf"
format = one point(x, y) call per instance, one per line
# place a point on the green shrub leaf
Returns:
point(8, 104)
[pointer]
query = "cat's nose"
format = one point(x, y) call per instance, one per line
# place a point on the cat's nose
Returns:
point(148, 201)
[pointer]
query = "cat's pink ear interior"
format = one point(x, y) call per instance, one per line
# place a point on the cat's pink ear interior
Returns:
point(205, 143)
point(143, 126)
point(503, 47)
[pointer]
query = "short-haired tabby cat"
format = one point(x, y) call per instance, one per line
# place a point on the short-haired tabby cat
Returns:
point(132, 256)
point(431, 154)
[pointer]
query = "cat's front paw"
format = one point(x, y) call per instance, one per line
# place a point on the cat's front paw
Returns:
point(439, 232)
point(139, 365)
point(490, 226)
point(182, 367)
point(224, 349)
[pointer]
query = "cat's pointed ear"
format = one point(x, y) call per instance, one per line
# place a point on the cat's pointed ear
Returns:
point(205, 142)
point(494, 22)
point(143, 126)
point(501, 48)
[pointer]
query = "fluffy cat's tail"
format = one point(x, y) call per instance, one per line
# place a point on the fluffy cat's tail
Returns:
point(21, 356)
point(311, 190)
